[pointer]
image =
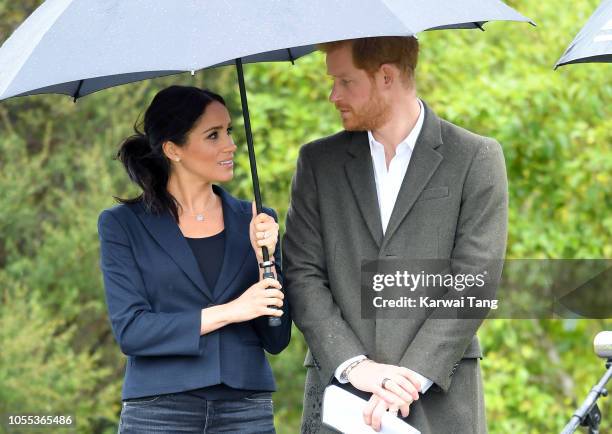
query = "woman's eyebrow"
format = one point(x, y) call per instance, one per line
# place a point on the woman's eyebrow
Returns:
point(217, 127)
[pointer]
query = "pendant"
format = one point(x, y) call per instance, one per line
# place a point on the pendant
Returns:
point(200, 217)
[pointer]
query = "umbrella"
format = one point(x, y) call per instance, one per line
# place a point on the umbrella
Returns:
point(594, 42)
point(77, 47)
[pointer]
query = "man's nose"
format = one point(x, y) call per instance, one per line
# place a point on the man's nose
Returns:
point(334, 95)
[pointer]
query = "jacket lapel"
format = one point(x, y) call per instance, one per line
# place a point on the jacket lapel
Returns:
point(360, 174)
point(423, 163)
point(168, 235)
point(237, 242)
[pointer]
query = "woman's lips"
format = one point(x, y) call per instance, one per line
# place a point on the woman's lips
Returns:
point(226, 163)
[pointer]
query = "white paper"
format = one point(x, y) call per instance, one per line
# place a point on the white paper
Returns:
point(344, 411)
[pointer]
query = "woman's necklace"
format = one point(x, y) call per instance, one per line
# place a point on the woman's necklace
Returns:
point(199, 216)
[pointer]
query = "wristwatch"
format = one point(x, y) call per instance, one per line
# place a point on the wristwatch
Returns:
point(344, 375)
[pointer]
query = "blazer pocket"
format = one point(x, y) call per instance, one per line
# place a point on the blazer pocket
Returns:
point(433, 193)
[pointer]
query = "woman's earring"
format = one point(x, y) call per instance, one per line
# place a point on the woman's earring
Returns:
point(178, 159)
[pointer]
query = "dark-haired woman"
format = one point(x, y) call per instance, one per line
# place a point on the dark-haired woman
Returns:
point(181, 267)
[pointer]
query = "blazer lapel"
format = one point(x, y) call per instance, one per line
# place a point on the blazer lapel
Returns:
point(237, 242)
point(360, 174)
point(423, 163)
point(169, 236)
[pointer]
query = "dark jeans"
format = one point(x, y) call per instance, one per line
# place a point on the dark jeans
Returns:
point(183, 413)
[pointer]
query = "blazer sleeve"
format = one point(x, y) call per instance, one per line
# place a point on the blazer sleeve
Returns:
point(275, 339)
point(139, 330)
point(480, 244)
point(330, 338)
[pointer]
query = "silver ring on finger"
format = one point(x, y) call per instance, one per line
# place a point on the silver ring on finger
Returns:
point(384, 382)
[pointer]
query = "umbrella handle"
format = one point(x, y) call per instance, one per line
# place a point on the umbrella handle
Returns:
point(273, 321)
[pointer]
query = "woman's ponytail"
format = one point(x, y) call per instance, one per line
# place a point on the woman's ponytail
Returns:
point(148, 169)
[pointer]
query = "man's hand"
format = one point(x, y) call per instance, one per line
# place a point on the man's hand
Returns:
point(376, 407)
point(401, 389)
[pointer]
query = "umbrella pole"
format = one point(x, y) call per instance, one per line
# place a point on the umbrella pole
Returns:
point(272, 320)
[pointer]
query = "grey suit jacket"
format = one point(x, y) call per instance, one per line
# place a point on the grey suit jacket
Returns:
point(452, 205)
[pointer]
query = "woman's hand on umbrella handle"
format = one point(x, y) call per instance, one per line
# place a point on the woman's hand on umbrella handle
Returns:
point(256, 301)
point(263, 231)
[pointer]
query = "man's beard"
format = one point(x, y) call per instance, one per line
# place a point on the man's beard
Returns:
point(374, 114)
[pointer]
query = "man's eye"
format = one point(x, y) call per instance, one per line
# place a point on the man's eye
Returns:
point(345, 82)
point(213, 135)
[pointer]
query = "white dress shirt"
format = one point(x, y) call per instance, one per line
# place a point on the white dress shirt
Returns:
point(389, 181)
point(388, 184)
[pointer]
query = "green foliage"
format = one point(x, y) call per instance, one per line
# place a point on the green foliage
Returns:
point(57, 173)
point(43, 369)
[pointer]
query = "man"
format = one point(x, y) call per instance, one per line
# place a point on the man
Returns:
point(397, 182)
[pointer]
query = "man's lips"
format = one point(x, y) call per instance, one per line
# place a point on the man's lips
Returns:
point(343, 110)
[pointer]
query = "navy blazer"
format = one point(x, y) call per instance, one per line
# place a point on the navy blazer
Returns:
point(155, 292)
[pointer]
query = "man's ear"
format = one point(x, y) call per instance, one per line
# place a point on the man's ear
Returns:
point(390, 74)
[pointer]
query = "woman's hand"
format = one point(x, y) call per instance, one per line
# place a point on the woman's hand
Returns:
point(263, 231)
point(254, 302)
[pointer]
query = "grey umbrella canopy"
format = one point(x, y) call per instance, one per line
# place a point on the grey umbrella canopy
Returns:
point(77, 47)
point(594, 42)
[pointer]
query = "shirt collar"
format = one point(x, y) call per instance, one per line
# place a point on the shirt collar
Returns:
point(409, 142)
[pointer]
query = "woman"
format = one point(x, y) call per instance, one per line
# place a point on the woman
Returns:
point(185, 294)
